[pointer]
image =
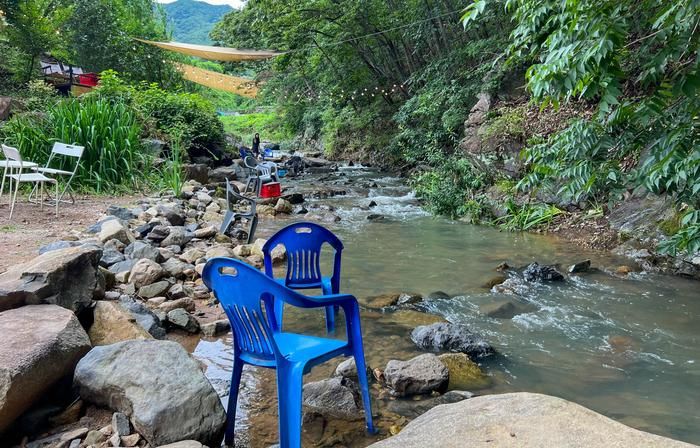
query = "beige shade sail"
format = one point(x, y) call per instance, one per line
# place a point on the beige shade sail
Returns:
point(234, 84)
point(214, 53)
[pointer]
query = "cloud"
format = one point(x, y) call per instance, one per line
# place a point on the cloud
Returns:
point(238, 4)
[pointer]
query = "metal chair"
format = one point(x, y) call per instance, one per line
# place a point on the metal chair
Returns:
point(13, 155)
point(303, 242)
point(232, 197)
point(243, 291)
point(63, 150)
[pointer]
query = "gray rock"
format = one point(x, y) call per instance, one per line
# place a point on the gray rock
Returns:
point(222, 173)
point(114, 229)
point(154, 289)
point(536, 273)
point(413, 408)
point(146, 318)
point(348, 369)
point(523, 420)
point(420, 375)
point(65, 277)
point(110, 256)
point(216, 328)
point(196, 171)
point(184, 444)
point(176, 268)
point(120, 212)
point(179, 291)
point(58, 245)
point(41, 345)
point(183, 320)
point(186, 304)
point(60, 440)
point(158, 233)
point(95, 228)
point(122, 266)
point(120, 424)
point(178, 236)
point(582, 266)
point(172, 214)
point(158, 386)
point(438, 295)
point(139, 249)
point(145, 229)
point(446, 336)
point(145, 272)
point(294, 198)
point(333, 398)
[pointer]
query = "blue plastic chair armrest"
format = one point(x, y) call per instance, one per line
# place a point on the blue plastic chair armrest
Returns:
point(302, 301)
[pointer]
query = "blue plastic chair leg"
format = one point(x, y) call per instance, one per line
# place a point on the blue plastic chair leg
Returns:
point(364, 388)
point(355, 335)
point(289, 395)
point(232, 402)
point(330, 311)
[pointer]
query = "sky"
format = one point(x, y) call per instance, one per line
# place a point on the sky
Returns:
point(233, 3)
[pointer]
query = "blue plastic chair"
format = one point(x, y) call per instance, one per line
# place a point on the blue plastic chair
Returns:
point(242, 290)
point(303, 242)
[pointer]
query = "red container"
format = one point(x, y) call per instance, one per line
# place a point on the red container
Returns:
point(270, 190)
point(88, 79)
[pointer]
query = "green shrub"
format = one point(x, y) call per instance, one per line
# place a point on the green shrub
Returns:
point(165, 114)
point(452, 188)
point(108, 131)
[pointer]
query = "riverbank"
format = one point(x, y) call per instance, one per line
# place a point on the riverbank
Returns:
point(540, 330)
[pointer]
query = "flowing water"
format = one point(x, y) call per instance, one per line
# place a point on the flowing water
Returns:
point(628, 347)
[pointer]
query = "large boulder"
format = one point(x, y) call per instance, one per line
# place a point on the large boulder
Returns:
point(41, 344)
point(158, 386)
point(449, 337)
point(112, 323)
point(65, 277)
point(523, 420)
point(420, 375)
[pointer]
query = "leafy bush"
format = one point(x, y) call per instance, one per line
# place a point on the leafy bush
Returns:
point(451, 189)
point(164, 113)
point(109, 132)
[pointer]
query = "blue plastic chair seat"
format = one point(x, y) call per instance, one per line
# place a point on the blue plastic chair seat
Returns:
point(301, 347)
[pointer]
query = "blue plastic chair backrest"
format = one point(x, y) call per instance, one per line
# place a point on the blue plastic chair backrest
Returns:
point(240, 289)
point(303, 242)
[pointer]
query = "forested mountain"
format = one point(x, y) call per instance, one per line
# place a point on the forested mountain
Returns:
point(192, 20)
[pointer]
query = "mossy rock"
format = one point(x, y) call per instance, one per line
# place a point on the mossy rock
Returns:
point(465, 374)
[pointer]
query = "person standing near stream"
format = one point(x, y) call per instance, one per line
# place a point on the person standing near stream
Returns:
point(256, 145)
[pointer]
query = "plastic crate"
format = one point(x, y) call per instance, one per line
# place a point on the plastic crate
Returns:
point(270, 190)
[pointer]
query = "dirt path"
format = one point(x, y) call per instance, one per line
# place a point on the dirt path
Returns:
point(31, 227)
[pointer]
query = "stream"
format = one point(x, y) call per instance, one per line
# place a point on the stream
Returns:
point(628, 348)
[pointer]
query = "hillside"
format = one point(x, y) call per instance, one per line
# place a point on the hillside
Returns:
point(191, 20)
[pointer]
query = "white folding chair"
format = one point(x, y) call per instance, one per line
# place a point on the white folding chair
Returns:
point(63, 150)
point(13, 160)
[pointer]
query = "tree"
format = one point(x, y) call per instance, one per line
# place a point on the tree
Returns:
point(33, 27)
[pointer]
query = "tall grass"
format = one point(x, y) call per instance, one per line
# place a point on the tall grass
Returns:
point(108, 131)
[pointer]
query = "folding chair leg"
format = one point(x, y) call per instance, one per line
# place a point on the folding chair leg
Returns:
point(41, 196)
point(232, 401)
point(14, 199)
point(2, 184)
point(57, 199)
